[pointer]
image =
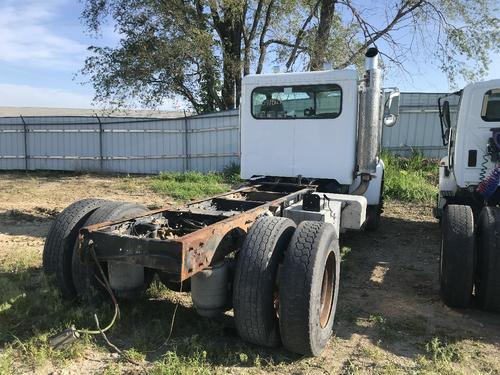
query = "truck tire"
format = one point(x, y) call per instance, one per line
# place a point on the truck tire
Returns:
point(456, 270)
point(255, 281)
point(488, 260)
point(309, 285)
point(61, 238)
point(374, 211)
point(82, 273)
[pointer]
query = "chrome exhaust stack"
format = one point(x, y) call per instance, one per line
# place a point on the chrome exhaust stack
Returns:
point(369, 123)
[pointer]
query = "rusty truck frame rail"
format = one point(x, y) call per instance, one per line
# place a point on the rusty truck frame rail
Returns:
point(227, 216)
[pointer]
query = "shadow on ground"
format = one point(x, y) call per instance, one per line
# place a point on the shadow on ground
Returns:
point(20, 223)
point(390, 292)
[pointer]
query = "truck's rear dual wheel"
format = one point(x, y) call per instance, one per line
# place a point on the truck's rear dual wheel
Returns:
point(60, 242)
point(82, 272)
point(255, 289)
point(293, 302)
point(456, 271)
point(309, 285)
point(60, 251)
point(488, 260)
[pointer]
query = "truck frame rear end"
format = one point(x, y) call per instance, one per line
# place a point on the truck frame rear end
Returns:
point(190, 237)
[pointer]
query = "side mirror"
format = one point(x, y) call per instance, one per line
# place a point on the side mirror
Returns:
point(446, 114)
point(391, 108)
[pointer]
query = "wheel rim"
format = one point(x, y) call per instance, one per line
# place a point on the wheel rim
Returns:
point(327, 289)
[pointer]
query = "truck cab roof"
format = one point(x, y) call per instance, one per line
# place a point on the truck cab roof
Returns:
point(301, 77)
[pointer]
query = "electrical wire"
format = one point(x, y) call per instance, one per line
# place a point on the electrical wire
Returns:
point(113, 346)
point(101, 331)
point(172, 321)
point(105, 284)
point(489, 185)
point(107, 287)
point(484, 167)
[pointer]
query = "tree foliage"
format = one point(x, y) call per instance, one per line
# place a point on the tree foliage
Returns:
point(198, 50)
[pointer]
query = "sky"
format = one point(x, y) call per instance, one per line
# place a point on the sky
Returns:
point(43, 45)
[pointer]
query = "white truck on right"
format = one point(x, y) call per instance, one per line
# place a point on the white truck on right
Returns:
point(468, 204)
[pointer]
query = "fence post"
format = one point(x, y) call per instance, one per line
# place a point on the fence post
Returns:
point(187, 167)
point(26, 154)
point(101, 160)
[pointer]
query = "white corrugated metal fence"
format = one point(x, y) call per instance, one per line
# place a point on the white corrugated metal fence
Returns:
point(202, 143)
point(128, 145)
point(418, 128)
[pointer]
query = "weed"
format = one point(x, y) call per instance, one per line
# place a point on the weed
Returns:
point(172, 363)
point(443, 352)
point(135, 355)
point(372, 352)
point(412, 179)
point(6, 361)
point(344, 252)
point(112, 369)
point(243, 358)
point(377, 320)
point(439, 358)
point(350, 368)
point(231, 173)
point(189, 185)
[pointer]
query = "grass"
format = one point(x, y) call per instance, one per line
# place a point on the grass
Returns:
point(440, 358)
point(189, 185)
point(410, 179)
point(182, 186)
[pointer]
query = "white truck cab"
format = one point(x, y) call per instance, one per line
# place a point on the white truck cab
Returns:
point(323, 128)
point(310, 130)
point(473, 145)
point(469, 198)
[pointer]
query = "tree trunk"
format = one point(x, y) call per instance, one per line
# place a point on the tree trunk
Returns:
point(318, 54)
point(230, 31)
point(232, 64)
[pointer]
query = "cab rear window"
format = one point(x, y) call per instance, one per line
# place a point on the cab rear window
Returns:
point(297, 102)
point(490, 110)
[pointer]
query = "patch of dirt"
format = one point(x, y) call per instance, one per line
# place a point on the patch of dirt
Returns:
point(49, 193)
point(389, 305)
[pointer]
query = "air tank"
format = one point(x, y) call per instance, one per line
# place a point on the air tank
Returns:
point(209, 290)
point(126, 279)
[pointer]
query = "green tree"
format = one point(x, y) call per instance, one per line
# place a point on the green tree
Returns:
point(199, 49)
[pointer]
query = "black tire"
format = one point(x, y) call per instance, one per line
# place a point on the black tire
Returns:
point(62, 227)
point(255, 281)
point(488, 260)
point(309, 284)
point(374, 212)
point(61, 238)
point(82, 273)
point(456, 270)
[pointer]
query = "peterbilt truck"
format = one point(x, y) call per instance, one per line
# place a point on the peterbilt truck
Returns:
point(269, 250)
point(469, 198)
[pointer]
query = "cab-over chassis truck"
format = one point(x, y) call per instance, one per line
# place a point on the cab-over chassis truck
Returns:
point(269, 250)
point(469, 198)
